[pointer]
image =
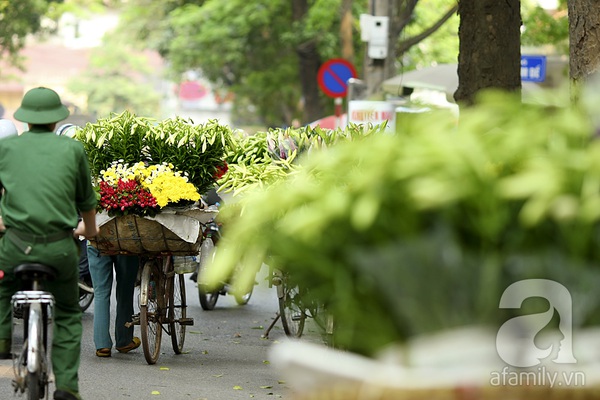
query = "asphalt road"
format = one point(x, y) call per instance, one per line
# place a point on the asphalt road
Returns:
point(225, 357)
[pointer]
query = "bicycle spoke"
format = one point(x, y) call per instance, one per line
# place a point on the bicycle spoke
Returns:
point(293, 314)
point(178, 312)
point(150, 311)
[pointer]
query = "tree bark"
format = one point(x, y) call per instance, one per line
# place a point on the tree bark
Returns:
point(309, 62)
point(584, 39)
point(489, 49)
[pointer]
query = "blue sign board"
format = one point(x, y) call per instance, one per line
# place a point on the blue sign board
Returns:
point(533, 68)
point(333, 77)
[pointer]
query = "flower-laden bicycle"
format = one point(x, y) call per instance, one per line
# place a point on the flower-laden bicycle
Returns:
point(149, 179)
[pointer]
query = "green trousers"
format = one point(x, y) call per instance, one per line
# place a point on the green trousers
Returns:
point(66, 345)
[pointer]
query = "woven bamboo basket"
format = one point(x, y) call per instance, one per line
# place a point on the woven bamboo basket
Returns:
point(175, 232)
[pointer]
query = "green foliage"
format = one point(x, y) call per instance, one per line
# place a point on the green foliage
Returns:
point(249, 48)
point(147, 20)
point(542, 28)
point(264, 158)
point(117, 79)
point(19, 19)
point(240, 46)
point(195, 149)
point(400, 235)
point(441, 46)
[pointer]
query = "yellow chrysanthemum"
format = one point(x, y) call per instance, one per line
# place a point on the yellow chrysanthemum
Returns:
point(166, 185)
point(169, 188)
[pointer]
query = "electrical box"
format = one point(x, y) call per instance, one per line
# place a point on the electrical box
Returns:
point(365, 26)
point(377, 37)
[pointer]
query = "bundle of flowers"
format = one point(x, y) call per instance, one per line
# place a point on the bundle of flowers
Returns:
point(197, 151)
point(143, 189)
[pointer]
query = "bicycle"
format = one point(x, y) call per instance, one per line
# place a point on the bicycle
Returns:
point(163, 306)
point(31, 363)
point(162, 295)
point(85, 299)
point(208, 296)
point(295, 306)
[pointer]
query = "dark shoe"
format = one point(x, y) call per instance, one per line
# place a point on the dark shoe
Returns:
point(65, 395)
point(105, 352)
point(135, 343)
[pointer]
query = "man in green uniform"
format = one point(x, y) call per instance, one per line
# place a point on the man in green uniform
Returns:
point(46, 181)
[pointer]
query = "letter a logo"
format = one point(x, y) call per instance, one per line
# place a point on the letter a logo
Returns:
point(530, 325)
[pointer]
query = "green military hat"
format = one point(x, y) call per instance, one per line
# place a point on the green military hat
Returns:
point(41, 106)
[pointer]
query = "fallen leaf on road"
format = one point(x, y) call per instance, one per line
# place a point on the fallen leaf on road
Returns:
point(237, 387)
point(266, 387)
point(266, 362)
point(218, 376)
point(155, 392)
point(165, 368)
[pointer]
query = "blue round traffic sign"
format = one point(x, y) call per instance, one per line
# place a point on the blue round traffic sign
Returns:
point(333, 77)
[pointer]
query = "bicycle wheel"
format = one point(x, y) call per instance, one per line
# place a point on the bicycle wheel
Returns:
point(177, 312)
point(151, 308)
point(33, 386)
point(243, 299)
point(85, 299)
point(35, 352)
point(291, 310)
point(208, 298)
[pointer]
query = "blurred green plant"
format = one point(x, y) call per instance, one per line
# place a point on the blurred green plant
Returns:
point(267, 157)
point(401, 235)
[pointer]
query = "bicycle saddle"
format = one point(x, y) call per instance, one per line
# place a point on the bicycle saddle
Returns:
point(28, 271)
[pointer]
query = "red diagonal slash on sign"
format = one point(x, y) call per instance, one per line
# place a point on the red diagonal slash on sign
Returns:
point(333, 77)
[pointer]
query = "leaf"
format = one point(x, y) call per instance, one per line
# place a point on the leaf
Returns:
point(266, 387)
point(155, 393)
point(237, 387)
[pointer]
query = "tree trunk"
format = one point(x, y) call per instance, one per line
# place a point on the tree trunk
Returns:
point(346, 31)
point(309, 62)
point(490, 47)
point(378, 70)
point(584, 39)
